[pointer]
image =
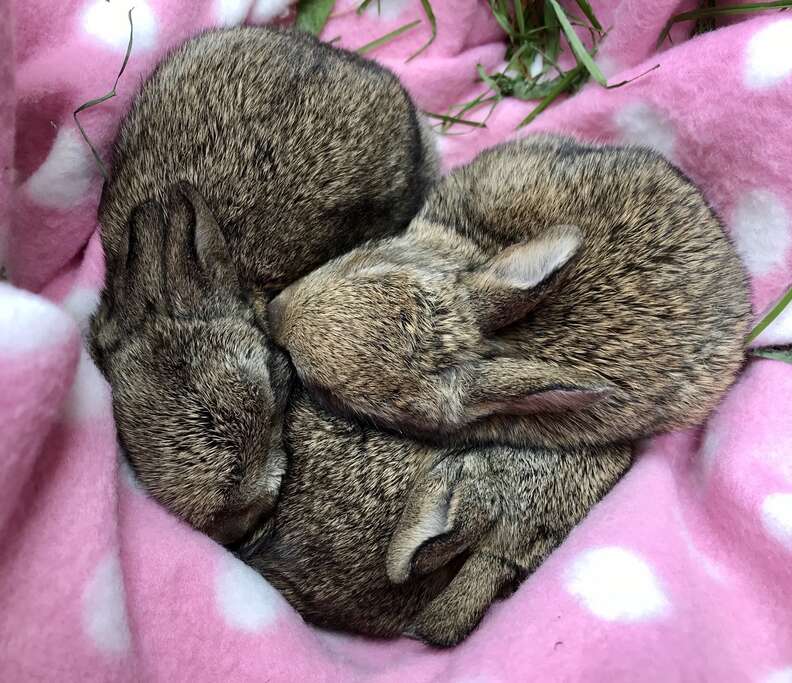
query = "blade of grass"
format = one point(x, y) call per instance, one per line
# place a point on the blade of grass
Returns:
point(774, 354)
point(427, 8)
point(553, 39)
point(502, 17)
point(582, 55)
point(312, 15)
point(725, 11)
point(445, 118)
point(104, 98)
point(479, 101)
point(764, 323)
point(489, 80)
point(585, 7)
point(374, 44)
point(362, 6)
point(519, 17)
point(561, 85)
point(534, 91)
point(630, 80)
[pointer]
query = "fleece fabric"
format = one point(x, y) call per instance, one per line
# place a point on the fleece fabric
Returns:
point(682, 573)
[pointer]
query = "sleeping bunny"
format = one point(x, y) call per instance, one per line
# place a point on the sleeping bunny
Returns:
point(276, 142)
point(370, 532)
point(383, 536)
point(551, 293)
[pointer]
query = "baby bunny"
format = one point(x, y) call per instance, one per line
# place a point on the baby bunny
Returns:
point(277, 142)
point(382, 536)
point(198, 398)
point(550, 293)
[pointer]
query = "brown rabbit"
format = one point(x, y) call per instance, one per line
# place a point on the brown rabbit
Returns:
point(384, 536)
point(298, 151)
point(589, 290)
point(204, 431)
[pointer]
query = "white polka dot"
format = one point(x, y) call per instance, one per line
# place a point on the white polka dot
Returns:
point(779, 676)
point(65, 176)
point(768, 57)
point(109, 22)
point(616, 585)
point(387, 10)
point(265, 11)
point(80, 304)
point(761, 231)
point(777, 517)
point(779, 331)
point(246, 600)
point(28, 322)
point(641, 124)
point(232, 12)
point(90, 394)
point(104, 608)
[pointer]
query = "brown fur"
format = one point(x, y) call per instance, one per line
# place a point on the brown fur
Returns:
point(635, 324)
point(298, 151)
point(370, 528)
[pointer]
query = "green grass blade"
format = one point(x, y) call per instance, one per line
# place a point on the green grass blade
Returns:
point(501, 15)
point(374, 44)
point(764, 323)
point(630, 80)
point(553, 39)
point(519, 17)
point(480, 101)
point(104, 98)
point(563, 83)
point(784, 355)
point(489, 80)
point(450, 120)
point(312, 15)
point(725, 11)
point(582, 55)
point(427, 8)
point(362, 6)
point(586, 9)
point(534, 91)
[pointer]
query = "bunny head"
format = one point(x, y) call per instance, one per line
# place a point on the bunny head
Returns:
point(198, 390)
point(402, 331)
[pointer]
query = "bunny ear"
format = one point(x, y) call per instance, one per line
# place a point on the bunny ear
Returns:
point(516, 280)
point(140, 259)
point(425, 517)
point(445, 515)
point(515, 386)
point(195, 241)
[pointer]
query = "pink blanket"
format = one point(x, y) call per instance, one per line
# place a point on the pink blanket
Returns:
point(683, 572)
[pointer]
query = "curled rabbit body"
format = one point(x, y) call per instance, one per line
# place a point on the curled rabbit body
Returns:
point(383, 536)
point(275, 143)
point(550, 293)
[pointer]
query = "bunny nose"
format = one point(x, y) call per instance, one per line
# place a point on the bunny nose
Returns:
point(276, 309)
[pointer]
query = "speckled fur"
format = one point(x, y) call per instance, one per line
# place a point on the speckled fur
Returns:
point(349, 489)
point(645, 325)
point(297, 151)
point(301, 150)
